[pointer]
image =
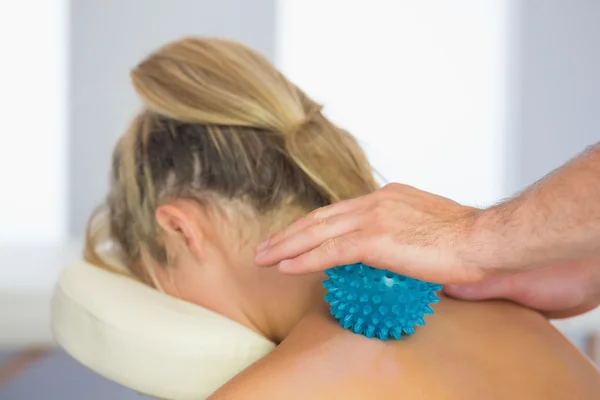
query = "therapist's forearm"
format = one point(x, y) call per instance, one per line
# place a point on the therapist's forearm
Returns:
point(556, 219)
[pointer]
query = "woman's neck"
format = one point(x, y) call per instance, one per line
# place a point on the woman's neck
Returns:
point(281, 319)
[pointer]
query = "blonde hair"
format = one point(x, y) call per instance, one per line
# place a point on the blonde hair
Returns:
point(219, 122)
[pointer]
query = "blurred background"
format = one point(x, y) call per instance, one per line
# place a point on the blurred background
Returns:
point(470, 99)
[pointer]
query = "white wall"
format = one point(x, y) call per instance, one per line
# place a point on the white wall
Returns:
point(559, 85)
point(423, 84)
point(33, 131)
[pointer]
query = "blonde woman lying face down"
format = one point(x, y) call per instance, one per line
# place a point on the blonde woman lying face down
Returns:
point(227, 151)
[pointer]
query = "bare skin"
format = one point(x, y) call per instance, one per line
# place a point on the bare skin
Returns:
point(491, 350)
point(552, 228)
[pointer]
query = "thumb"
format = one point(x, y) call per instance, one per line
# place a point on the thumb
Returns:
point(488, 289)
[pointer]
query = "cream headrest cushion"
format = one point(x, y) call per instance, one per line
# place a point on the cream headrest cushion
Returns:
point(146, 340)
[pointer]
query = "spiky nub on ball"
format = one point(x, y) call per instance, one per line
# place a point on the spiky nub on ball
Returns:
point(378, 303)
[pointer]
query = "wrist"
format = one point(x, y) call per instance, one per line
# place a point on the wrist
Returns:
point(468, 242)
point(486, 248)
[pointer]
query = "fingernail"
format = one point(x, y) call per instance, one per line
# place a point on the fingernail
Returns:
point(456, 288)
point(262, 246)
point(261, 254)
point(284, 266)
point(463, 290)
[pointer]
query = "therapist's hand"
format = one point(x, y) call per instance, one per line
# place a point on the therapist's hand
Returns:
point(557, 291)
point(398, 227)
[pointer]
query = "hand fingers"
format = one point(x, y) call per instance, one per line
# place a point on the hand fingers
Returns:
point(527, 293)
point(496, 287)
point(314, 217)
point(543, 289)
point(571, 312)
point(310, 237)
point(342, 250)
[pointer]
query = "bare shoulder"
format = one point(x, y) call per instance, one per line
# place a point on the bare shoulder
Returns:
point(318, 360)
point(466, 351)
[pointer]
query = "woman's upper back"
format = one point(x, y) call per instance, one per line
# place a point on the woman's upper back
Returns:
point(491, 350)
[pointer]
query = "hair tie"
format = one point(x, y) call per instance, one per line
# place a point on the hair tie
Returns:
point(309, 117)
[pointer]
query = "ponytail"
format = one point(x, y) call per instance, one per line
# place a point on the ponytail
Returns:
point(219, 121)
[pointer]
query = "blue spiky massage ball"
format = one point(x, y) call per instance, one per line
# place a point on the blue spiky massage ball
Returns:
point(378, 303)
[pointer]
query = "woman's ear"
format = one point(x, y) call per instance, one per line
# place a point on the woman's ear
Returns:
point(179, 225)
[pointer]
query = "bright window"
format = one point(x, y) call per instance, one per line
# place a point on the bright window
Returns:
point(421, 83)
point(33, 145)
